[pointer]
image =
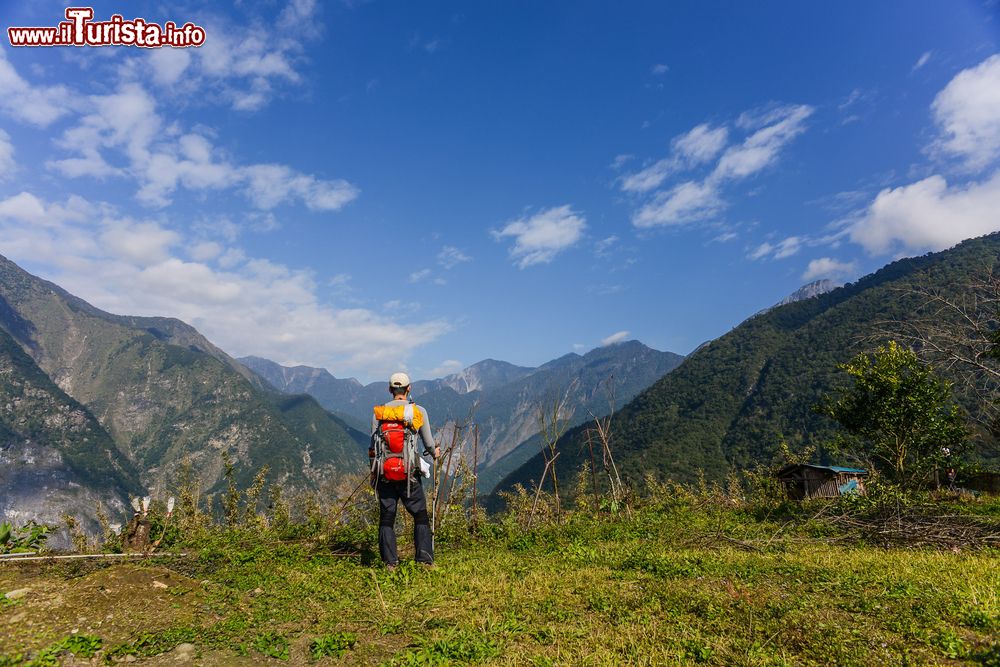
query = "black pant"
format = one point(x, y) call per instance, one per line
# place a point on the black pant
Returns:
point(389, 493)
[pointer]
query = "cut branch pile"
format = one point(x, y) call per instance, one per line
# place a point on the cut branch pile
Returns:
point(918, 527)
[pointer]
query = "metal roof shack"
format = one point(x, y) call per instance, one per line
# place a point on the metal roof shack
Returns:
point(803, 481)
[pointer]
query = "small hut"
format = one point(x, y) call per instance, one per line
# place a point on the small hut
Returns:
point(803, 481)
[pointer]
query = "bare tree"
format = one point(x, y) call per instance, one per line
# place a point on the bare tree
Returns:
point(958, 332)
point(552, 424)
point(447, 467)
point(602, 428)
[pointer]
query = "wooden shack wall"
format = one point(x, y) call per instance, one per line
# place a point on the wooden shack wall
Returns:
point(811, 483)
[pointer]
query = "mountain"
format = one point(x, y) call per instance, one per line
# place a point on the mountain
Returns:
point(731, 403)
point(508, 415)
point(807, 291)
point(353, 400)
point(347, 398)
point(810, 290)
point(485, 376)
point(503, 398)
point(165, 394)
point(54, 455)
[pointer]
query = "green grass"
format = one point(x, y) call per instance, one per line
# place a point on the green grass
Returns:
point(670, 585)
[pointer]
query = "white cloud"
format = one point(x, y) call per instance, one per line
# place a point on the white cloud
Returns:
point(694, 200)
point(761, 148)
point(659, 69)
point(725, 236)
point(924, 58)
point(967, 112)
point(602, 247)
point(450, 256)
point(417, 276)
point(205, 250)
point(35, 105)
point(142, 244)
point(91, 164)
point(7, 164)
point(614, 338)
point(651, 177)
point(621, 160)
point(245, 305)
point(247, 65)
point(168, 65)
point(271, 184)
point(825, 267)
point(161, 159)
point(785, 248)
point(298, 15)
point(928, 215)
point(852, 99)
point(446, 367)
point(26, 208)
point(697, 146)
point(701, 144)
point(539, 238)
point(687, 202)
point(788, 247)
point(761, 251)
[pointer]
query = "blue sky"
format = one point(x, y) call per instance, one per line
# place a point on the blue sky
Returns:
point(372, 185)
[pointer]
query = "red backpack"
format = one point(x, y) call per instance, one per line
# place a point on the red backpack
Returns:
point(394, 441)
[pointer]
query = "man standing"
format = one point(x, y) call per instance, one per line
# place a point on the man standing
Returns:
point(396, 471)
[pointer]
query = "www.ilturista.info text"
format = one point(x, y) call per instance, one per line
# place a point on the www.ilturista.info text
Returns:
point(81, 30)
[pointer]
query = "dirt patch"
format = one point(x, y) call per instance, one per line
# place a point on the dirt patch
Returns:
point(114, 603)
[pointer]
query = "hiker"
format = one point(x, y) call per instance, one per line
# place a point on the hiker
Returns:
point(397, 470)
point(951, 480)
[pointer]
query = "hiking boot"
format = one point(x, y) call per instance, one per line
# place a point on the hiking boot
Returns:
point(426, 566)
point(391, 567)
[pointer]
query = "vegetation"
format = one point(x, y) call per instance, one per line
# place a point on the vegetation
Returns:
point(898, 415)
point(37, 411)
point(734, 400)
point(681, 575)
point(163, 393)
point(27, 538)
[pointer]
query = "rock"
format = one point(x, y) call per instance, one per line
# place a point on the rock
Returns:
point(185, 652)
point(17, 593)
point(159, 584)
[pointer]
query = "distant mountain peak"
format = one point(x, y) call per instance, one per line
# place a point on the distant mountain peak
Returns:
point(485, 374)
point(808, 291)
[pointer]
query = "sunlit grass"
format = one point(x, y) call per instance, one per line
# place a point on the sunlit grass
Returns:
point(661, 587)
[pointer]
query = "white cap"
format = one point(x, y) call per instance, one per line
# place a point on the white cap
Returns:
point(399, 380)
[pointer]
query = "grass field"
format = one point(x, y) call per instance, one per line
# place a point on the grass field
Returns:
point(681, 582)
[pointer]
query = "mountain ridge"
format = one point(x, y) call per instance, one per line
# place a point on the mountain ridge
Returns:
point(165, 394)
point(729, 405)
point(502, 398)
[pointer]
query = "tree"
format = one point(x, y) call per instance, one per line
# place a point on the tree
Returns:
point(898, 414)
point(959, 335)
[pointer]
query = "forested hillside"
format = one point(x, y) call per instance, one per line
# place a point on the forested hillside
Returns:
point(731, 403)
point(165, 394)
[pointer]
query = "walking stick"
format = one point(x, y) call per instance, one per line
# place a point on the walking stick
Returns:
point(434, 499)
